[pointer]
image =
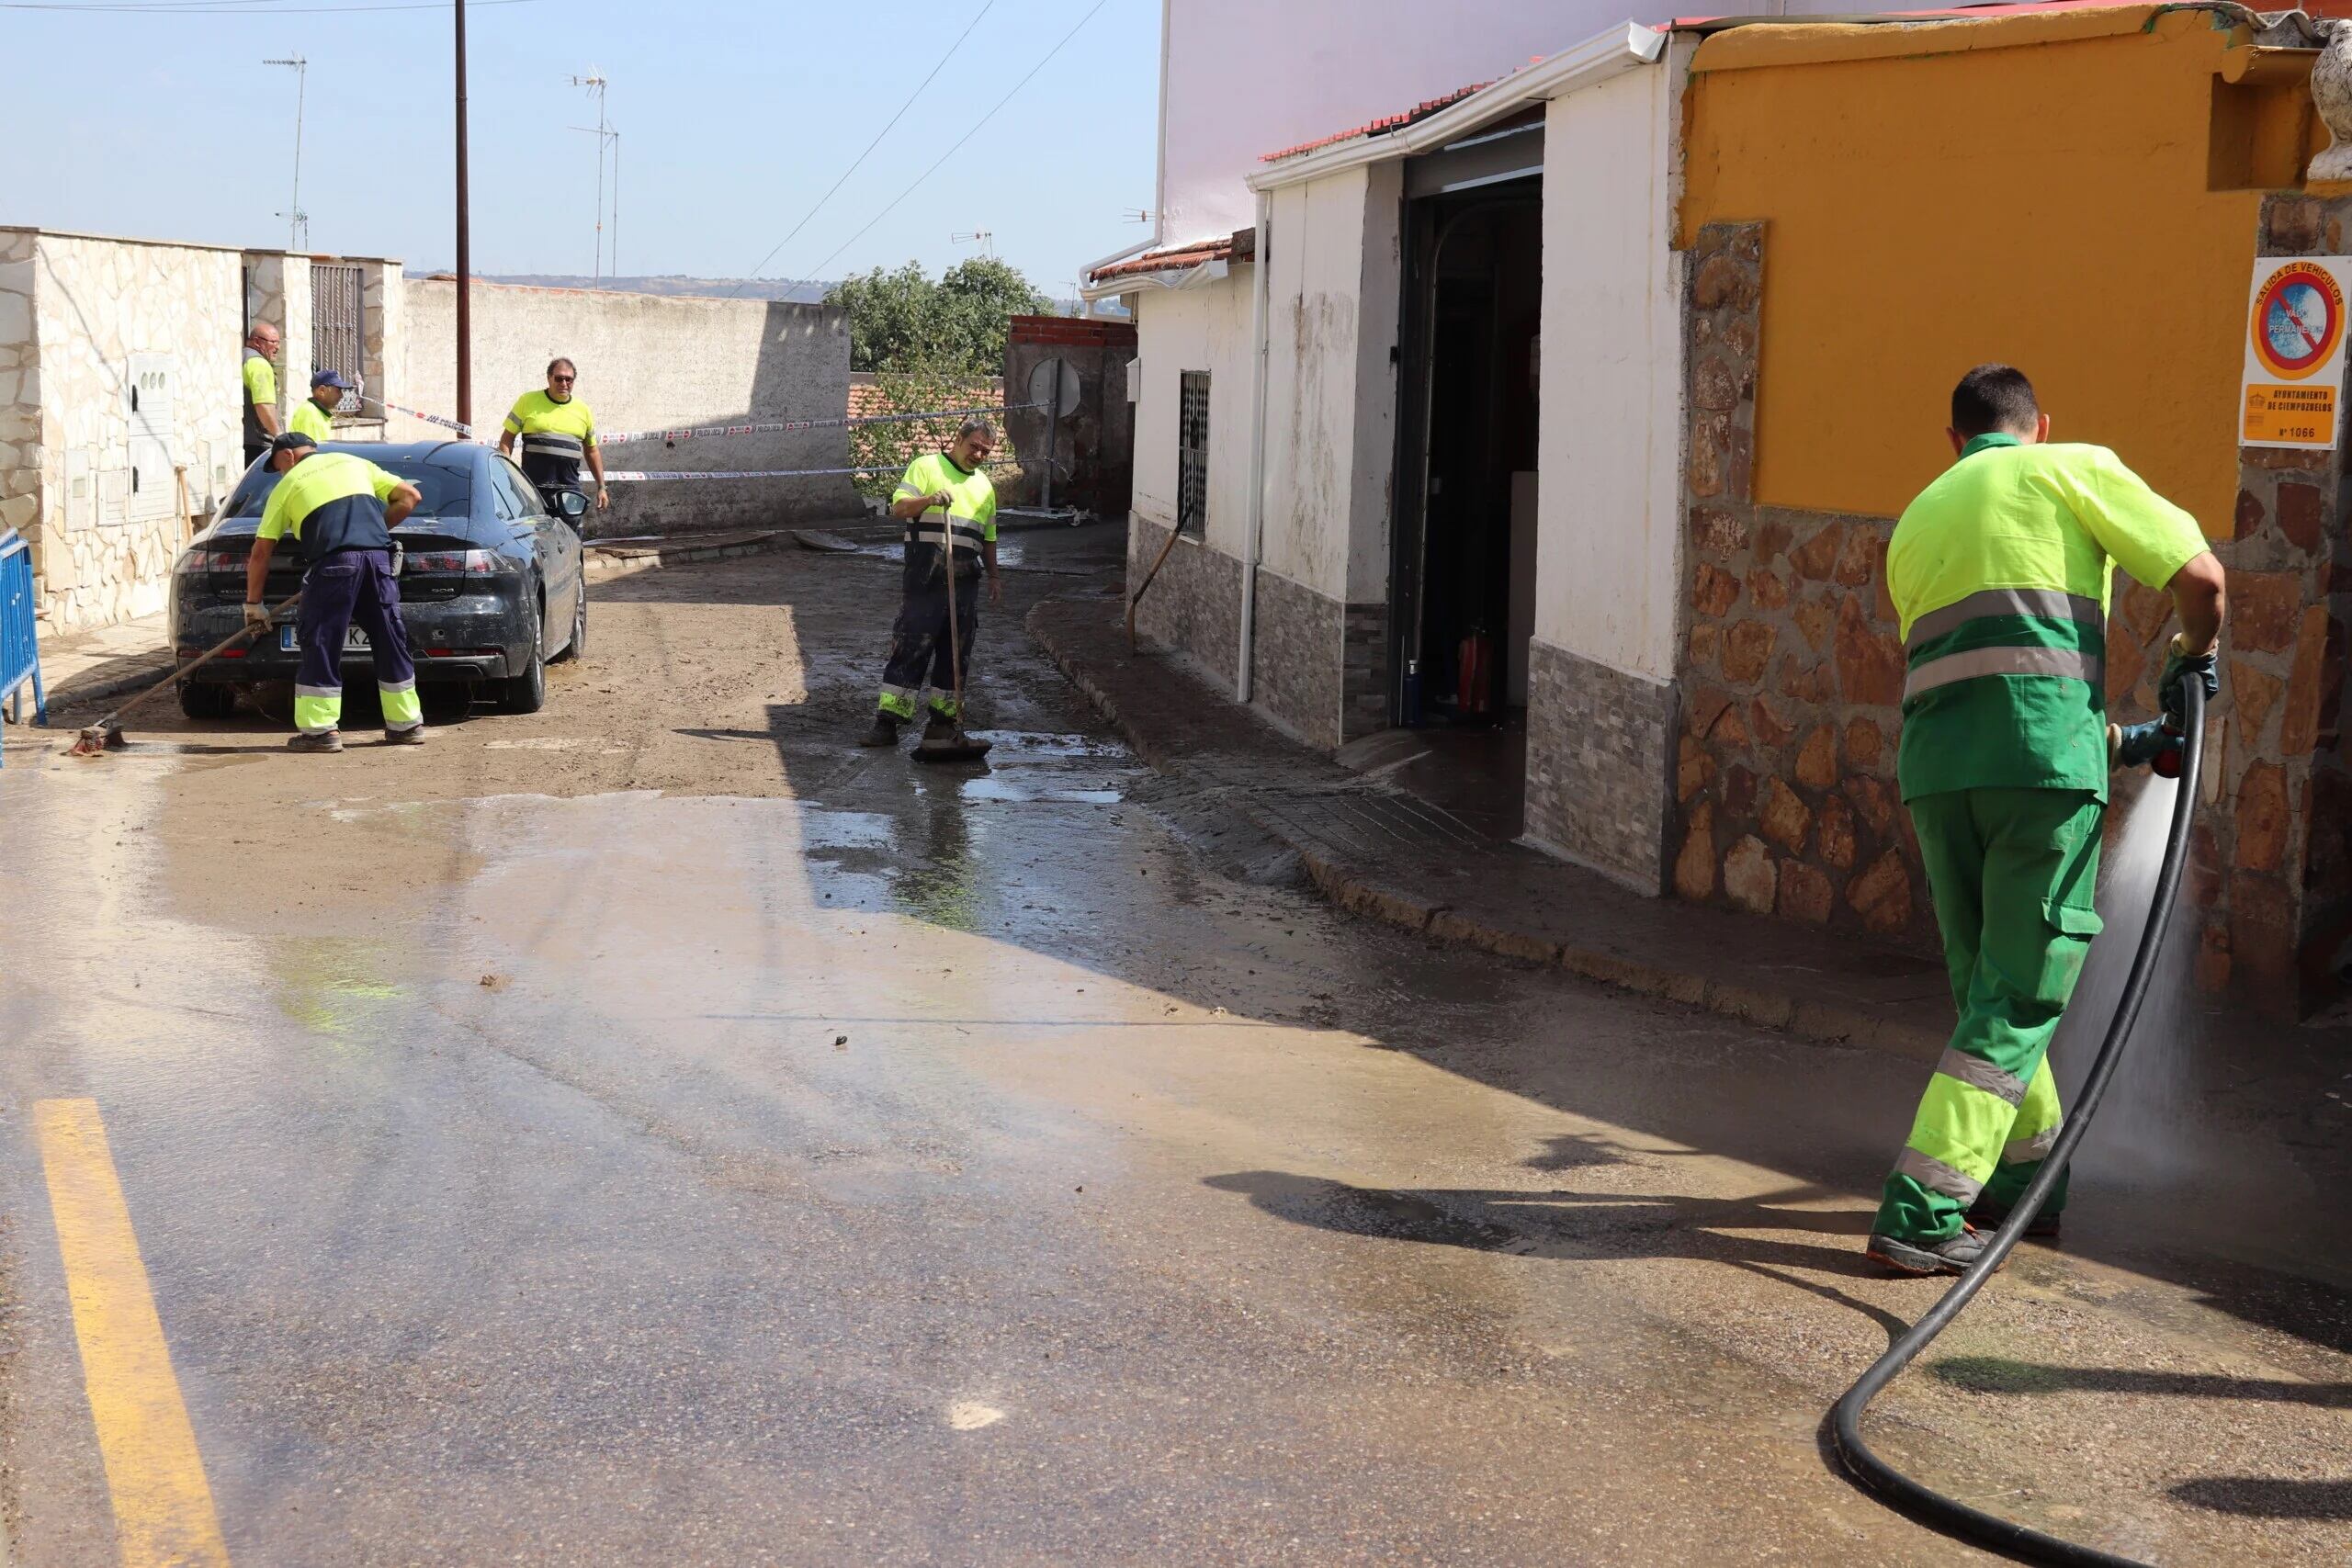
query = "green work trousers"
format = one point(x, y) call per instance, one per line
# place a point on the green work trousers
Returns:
point(2012, 873)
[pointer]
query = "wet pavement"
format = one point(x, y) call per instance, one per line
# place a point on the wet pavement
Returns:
point(655, 1131)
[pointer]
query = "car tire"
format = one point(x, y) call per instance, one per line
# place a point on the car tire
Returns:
point(579, 643)
point(207, 699)
point(527, 692)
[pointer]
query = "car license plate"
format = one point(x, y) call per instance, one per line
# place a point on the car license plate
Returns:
point(354, 640)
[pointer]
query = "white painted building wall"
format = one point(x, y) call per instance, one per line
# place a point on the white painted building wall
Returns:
point(1202, 328)
point(1332, 289)
point(1609, 557)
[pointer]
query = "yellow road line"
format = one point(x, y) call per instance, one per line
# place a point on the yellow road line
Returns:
point(163, 1506)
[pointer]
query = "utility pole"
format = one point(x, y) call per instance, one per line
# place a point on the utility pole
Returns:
point(605, 135)
point(464, 246)
point(297, 235)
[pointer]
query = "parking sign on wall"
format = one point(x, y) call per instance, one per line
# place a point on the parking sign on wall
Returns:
point(2294, 355)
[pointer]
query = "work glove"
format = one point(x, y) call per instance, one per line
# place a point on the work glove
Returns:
point(2182, 666)
point(2143, 746)
point(257, 619)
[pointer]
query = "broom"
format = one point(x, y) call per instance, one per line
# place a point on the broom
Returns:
point(106, 734)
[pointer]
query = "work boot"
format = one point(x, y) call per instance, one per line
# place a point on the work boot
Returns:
point(941, 728)
point(884, 733)
point(1953, 1255)
point(1992, 1217)
point(413, 736)
point(316, 740)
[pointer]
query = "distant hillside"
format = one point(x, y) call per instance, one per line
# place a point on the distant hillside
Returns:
point(713, 288)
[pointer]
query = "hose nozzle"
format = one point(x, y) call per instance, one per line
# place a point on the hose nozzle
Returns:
point(2156, 745)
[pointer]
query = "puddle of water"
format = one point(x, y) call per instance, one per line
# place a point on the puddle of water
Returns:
point(998, 789)
point(1037, 743)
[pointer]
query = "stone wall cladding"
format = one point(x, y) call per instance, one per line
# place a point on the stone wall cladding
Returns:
point(1297, 663)
point(1784, 791)
point(1195, 605)
point(1600, 744)
point(2273, 863)
point(1363, 676)
point(94, 303)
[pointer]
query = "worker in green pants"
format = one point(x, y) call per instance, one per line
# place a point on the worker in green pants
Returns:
point(1999, 573)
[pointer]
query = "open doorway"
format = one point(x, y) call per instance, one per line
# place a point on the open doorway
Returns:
point(1463, 579)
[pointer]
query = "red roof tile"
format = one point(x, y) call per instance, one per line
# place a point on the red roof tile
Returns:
point(1381, 126)
point(1171, 259)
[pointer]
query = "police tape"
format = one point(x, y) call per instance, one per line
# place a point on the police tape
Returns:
point(466, 430)
point(780, 427)
point(787, 426)
point(634, 476)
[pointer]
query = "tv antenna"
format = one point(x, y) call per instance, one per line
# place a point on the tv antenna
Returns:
point(983, 238)
point(297, 235)
point(606, 138)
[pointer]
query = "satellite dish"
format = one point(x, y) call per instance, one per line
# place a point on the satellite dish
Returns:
point(1043, 380)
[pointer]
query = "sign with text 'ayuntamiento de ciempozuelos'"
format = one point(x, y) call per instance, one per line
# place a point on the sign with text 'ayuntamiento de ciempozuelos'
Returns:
point(2294, 389)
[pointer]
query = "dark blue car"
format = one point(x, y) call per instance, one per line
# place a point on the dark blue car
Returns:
point(491, 586)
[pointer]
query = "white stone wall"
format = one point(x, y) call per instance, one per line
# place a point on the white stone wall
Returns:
point(20, 449)
point(654, 362)
point(278, 291)
point(96, 305)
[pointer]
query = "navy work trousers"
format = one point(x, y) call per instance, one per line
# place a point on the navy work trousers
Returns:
point(346, 587)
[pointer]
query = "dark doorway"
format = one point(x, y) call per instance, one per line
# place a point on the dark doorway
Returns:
point(1464, 570)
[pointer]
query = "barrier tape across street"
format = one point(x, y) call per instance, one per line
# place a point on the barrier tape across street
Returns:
point(632, 476)
point(705, 432)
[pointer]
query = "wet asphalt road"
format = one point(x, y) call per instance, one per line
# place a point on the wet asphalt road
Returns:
point(655, 1131)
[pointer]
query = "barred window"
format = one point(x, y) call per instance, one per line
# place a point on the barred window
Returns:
point(1192, 452)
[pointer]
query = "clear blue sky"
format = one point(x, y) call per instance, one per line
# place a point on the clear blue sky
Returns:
point(735, 115)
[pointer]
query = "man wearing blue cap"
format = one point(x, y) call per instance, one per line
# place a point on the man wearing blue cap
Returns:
point(315, 418)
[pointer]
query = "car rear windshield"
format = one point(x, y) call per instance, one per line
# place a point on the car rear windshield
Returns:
point(446, 483)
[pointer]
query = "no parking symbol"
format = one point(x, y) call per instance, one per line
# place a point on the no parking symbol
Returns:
point(2294, 357)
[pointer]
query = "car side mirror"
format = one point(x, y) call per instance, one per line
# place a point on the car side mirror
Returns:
point(571, 505)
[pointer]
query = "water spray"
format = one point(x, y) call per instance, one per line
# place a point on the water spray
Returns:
point(2181, 743)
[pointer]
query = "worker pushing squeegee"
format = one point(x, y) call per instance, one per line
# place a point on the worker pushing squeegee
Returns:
point(949, 508)
point(2000, 572)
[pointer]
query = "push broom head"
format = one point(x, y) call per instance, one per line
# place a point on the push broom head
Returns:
point(103, 735)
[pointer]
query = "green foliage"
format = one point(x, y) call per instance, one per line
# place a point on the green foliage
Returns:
point(893, 447)
point(906, 322)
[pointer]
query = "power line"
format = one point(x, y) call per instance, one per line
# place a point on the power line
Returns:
point(233, 7)
point(976, 130)
point(870, 146)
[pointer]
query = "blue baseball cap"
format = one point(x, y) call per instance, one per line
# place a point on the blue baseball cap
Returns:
point(330, 378)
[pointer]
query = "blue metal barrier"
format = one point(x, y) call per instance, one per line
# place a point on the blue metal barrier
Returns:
point(19, 648)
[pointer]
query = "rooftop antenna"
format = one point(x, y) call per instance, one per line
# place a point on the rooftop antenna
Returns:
point(297, 235)
point(605, 137)
point(983, 238)
point(1137, 215)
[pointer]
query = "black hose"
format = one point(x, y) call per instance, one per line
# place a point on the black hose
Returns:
point(1899, 1491)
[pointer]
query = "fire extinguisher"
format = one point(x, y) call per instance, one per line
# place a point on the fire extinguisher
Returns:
point(1473, 672)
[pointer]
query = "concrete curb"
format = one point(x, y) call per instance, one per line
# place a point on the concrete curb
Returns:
point(606, 562)
point(82, 691)
point(1768, 1006)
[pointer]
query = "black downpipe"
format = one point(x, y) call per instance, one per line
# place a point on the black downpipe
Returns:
point(1901, 1492)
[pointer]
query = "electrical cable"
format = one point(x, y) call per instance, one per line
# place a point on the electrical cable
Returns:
point(1907, 1496)
point(860, 158)
point(977, 125)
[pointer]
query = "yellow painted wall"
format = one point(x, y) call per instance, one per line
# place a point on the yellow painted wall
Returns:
point(2031, 190)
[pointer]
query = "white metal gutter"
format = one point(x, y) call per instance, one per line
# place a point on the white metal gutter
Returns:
point(1607, 54)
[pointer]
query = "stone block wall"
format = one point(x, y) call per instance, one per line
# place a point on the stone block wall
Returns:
point(2273, 867)
point(106, 525)
point(1598, 741)
point(1194, 605)
point(21, 446)
point(278, 290)
point(1792, 675)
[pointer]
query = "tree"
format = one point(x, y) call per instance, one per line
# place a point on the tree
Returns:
point(905, 321)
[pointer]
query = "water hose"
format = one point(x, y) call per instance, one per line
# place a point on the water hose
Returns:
point(1899, 1491)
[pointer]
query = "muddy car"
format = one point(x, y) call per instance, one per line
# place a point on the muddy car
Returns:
point(491, 585)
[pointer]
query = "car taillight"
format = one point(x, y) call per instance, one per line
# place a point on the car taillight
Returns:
point(451, 562)
point(215, 560)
